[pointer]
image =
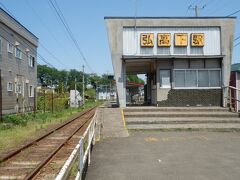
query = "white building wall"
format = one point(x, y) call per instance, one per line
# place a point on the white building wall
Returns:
point(131, 41)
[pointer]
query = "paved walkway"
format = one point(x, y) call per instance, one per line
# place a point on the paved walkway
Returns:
point(154, 155)
point(113, 124)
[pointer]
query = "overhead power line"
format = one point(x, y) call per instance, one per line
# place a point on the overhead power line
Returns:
point(4, 7)
point(29, 47)
point(39, 55)
point(65, 24)
point(236, 44)
point(237, 38)
point(49, 52)
point(50, 33)
point(234, 13)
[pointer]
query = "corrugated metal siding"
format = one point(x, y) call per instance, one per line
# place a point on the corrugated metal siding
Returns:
point(131, 41)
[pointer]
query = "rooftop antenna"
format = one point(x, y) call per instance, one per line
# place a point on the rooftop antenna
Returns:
point(135, 13)
point(196, 9)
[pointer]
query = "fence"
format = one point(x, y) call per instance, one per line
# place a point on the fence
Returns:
point(50, 101)
point(82, 153)
point(232, 98)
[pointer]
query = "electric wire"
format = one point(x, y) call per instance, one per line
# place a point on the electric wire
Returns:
point(49, 52)
point(49, 31)
point(6, 9)
point(38, 54)
point(65, 24)
point(237, 44)
point(233, 13)
point(26, 54)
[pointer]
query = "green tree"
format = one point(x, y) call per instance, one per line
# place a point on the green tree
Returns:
point(135, 79)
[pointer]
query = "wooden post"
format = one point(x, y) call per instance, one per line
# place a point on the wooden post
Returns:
point(44, 101)
point(34, 102)
point(52, 100)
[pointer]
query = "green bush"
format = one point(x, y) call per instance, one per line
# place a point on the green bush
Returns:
point(60, 102)
point(15, 119)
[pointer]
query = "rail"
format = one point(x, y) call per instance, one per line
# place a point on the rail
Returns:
point(82, 152)
point(51, 154)
point(10, 155)
point(232, 98)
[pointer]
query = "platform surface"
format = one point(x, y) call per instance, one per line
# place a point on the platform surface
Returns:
point(155, 155)
point(113, 123)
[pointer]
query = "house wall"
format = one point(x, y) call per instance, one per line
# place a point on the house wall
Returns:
point(16, 70)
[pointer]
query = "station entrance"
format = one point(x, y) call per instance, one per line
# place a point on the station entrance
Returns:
point(138, 94)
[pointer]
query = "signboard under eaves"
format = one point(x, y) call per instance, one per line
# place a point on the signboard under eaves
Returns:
point(187, 41)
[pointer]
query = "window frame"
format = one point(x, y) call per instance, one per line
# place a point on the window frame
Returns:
point(16, 88)
point(170, 79)
point(10, 50)
point(197, 74)
point(30, 91)
point(8, 89)
point(30, 61)
point(20, 57)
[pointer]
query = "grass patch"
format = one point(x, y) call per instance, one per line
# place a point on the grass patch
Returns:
point(15, 129)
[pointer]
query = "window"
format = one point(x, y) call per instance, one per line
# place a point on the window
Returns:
point(18, 53)
point(31, 60)
point(197, 78)
point(31, 91)
point(165, 79)
point(9, 86)
point(191, 78)
point(179, 78)
point(18, 88)
point(10, 48)
point(214, 78)
point(203, 78)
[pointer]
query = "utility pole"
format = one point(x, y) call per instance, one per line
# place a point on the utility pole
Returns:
point(83, 85)
point(196, 9)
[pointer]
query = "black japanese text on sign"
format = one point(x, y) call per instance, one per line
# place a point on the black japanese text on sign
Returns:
point(197, 39)
point(164, 39)
point(181, 39)
point(147, 39)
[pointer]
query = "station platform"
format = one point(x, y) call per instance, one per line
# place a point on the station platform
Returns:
point(154, 155)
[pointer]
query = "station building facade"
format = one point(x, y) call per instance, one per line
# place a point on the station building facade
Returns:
point(187, 61)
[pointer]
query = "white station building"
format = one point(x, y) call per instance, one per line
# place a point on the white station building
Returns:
point(187, 60)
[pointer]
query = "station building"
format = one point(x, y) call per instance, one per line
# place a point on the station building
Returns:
point(187, 60)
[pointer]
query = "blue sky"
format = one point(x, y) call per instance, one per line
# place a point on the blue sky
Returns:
point(86, 20)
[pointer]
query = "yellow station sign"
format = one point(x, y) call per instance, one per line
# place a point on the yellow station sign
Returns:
point(147, 39)
point(181, 39)
point(164, 39)
point(197, 39)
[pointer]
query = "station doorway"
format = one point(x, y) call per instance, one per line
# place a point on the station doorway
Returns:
point(145, 93)
point(135, 89)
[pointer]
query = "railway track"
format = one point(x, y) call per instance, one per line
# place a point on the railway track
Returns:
point(43, 157)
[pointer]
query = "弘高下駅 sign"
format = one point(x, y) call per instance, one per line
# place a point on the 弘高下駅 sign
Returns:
point(164, 39)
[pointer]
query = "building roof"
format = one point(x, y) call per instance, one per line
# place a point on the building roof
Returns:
point(12, 23)
point(235, 67)
point(202, 17)
point(1, 9)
